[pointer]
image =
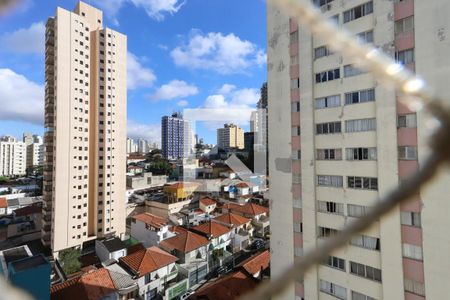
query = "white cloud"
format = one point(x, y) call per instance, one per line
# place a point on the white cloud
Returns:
point(174, 89)
point(182, 103)
point(155, 9)
point(150, 132)
point(20, 98)
point(225, 54)
point(138, 75)
point(229, 96)
point(25, 40)
point(229, 104)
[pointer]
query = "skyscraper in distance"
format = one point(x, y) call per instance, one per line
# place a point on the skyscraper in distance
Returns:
point(357, 142)
point(85, 128)
point(230, 136)
point(176, 137)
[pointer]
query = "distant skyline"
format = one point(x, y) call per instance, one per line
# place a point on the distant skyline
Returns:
point(188, 54)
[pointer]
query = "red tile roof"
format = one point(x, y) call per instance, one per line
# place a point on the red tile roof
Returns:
point(212, 229)
point(232, 219)
point(28, 210)
point(242, 185)
point(229, 287)
point(89, 286)
point(248, 208)
point(150, 219)
point(254, 263)
point(148, 260)
point(208, 201)
point(3, 203)
point(186, 241)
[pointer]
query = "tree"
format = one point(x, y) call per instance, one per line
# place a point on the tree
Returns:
point(70, 262)
point(3, 179)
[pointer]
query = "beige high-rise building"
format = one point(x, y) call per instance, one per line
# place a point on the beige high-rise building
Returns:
point(85, 128)
point(356, 142)
point(230, 136)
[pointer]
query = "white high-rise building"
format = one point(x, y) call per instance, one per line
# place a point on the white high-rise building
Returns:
point(13, 157)
point(357, 142)
point(85, 123)
point(35, 150)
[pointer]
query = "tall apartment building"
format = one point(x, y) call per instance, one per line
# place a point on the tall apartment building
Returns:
point(85, 129)
point(357, 141)
point(35, 150)
point(131, 146)
point(230, 136)
point(13, 157)
point(176, 137)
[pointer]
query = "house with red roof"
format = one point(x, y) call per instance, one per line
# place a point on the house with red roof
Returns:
point(229, 287)
point(220, 241)
point(207, 205)
point(150, 229)
point(192, 250)
point(3, 206)
point(93, 285)
point(242, 229)
point(153, 268)
point(259, 215)
point(257, 263)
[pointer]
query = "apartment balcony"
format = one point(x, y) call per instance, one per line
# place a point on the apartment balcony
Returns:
point(50, 38)
point(49, 51)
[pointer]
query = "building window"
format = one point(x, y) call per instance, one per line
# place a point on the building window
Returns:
point(295, 131)
point(405, 57)
point(407, 153)
point(294, 60)
point(350, 70)
point(365, 37)
point(333, 289)
point(365, 271)
point(359, 296)
point(366, 183)
point(321, 3)
point(328, 128)
point(407, 121)
point(328, 75)
point(367, 242)
point(328, 154)
point(327, 232)
point(358, 12)
point(412, 251)
point(322, 52)
point(295, 106)
point(360, 125)
point(329, 180)
point(298, 227)
point(357, 211)
point(295, 83)
point(414, 287)
point(335, 262)
point(361, 153)
point(411, 218)
point(330, 101)
point(330, 207)
point(296, 155)
point(294, 37)
point(404, 25)
point(360, 96)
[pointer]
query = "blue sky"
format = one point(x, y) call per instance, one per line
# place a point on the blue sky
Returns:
point(181, 54)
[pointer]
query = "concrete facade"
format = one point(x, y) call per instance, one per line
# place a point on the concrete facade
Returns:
point(85, 129)
point(357, 142)
point(13, 157)
point(230, 136)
